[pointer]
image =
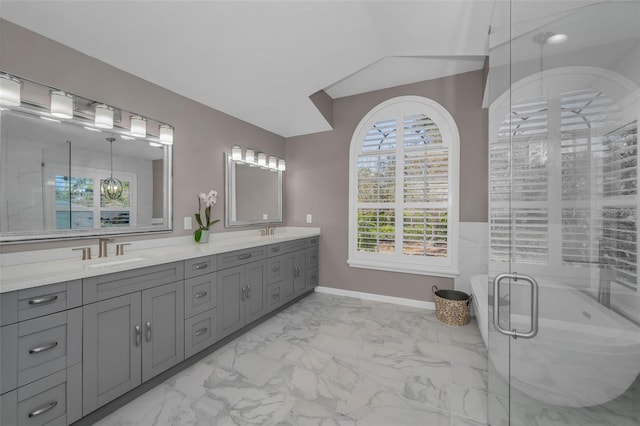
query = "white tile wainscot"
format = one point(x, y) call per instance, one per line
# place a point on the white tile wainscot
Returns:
point(474, 247)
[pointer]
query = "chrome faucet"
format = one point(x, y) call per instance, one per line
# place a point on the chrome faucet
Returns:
point(102, 246)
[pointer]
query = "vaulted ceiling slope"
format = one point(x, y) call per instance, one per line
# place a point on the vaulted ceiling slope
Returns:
point(261, 60)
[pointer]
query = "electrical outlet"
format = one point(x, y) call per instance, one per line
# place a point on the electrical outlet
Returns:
point(309, 218)
point(187, 222)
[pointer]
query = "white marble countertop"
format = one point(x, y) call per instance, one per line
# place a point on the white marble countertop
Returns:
point(32, 269)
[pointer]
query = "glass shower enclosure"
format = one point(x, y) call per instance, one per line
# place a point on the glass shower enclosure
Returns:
point(564, 300)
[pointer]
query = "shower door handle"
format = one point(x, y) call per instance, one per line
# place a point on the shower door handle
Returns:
point(534, 306)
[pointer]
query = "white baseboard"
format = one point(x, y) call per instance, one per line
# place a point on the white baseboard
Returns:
point(377, 297)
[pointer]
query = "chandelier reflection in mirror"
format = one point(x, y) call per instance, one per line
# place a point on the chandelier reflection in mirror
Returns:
point(111, 187)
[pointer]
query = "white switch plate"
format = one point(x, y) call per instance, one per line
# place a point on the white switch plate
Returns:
point(187, 222)
point(309, 218)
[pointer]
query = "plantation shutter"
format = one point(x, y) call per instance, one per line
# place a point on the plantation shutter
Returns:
point(403, 190)
point(597, 176)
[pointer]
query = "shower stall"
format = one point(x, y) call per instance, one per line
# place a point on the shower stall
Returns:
point(563, 317)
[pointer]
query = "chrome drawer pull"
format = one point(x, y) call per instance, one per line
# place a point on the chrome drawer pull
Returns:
point(275, 296)
point(138, 335)
point(201, 266)
point(43, 300)
point(43, 348)
point(201, 331)
point(43, 409)
point(275, 269)
point(148, 324)
point(248, 291)
point(200, 294)
point(243, 293)
point(275, 249)
point(244, 256)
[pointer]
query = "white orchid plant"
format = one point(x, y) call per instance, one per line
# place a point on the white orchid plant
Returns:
point(209, 200)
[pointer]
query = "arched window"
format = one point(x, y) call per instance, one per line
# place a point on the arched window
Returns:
point(403, 189)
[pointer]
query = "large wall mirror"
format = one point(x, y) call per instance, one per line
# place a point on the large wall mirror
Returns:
point(253, 194)
point(54, 176)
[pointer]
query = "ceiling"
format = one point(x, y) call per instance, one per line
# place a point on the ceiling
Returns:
point(260, 61)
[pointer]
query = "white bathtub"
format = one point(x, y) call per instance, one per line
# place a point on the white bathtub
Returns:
point(584, 354)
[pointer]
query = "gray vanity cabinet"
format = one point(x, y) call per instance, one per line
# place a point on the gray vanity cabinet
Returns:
point(200, 305)
point(112, 338)
point(41, 355)
point(132, 337)
point(241, 296)
point(292, 270)
point(163, 328)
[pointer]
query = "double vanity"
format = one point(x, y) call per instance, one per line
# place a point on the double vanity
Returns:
point(77, 334)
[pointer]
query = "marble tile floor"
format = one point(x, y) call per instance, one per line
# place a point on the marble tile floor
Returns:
point(326, 361)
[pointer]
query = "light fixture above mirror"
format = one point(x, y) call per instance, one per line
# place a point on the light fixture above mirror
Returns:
point(57, 105)
point(259, 159)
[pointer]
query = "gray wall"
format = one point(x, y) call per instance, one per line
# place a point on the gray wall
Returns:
point(201, 136)
point(317, 180)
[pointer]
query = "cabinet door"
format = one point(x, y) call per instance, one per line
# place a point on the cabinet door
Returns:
point(162, 328)
point(255, 281)
point(111, 340)
point(299, 272)
point(287, 277)
point(230, 300)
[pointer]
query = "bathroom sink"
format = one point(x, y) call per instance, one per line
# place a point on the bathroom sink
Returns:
point(106, 264)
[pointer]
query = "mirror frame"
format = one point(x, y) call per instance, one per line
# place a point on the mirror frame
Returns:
point(230, 178)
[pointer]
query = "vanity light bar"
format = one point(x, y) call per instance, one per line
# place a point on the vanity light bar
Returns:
point(254, 158)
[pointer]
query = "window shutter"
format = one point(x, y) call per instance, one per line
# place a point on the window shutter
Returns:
point(402, 197)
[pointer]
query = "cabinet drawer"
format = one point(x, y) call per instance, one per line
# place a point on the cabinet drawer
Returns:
point(200, 332)
point(42, 347)
point(53, 400)
point(274, 296)
point(200, 294)
point(313, 241)
point(120, 283)
point(275, 250)
point(39, 301)
point(313, 277)
point(199, 266)
point(240, 257)
point(313, 257)
point(275, 269)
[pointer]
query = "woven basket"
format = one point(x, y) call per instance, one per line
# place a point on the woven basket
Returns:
point(452, 306)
